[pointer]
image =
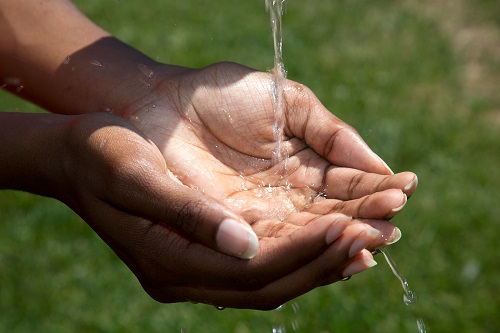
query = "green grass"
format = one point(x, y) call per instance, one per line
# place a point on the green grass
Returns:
point(400, 73)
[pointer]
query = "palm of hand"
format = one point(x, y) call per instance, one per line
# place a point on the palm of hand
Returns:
point(217, 136)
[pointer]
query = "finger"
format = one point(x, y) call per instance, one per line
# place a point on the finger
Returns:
point(389, 234)
point(131, 175)
point(380, 205)
point(360, 263)
point(347, 183)
point(327, 266)
point(205, 220)
point(293, 222)
point(330, 137)
point(278, 257)
point(149, 192)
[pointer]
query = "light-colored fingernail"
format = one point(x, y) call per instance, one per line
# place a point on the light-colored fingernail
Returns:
point(358, 266)
point(237, 238)
point(412, 185)
point(336, 230)
point(363, 240)
point(394, 237)
point(398, 209)
point(385, 164)
point(388, 168)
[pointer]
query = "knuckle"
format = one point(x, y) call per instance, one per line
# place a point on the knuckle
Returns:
point(355, 182)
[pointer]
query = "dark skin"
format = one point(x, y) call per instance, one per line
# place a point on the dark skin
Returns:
point(158, 163)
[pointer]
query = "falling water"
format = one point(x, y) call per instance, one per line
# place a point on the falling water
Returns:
point(280, 154)
point(409, 297)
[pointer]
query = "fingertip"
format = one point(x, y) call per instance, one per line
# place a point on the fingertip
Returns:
point(237, 238)
point(411, 186)
point(364, 240)
point(339, 225)
point(394, 237)
point(387, 168)
point(253, 246)
point(383, 166)
point(399, 208)
point(361, 263)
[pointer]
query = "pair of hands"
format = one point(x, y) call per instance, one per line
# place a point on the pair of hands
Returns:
point(175, 186)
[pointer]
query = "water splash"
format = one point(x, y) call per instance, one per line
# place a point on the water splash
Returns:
point(280, 154)
point(148, 72)
point(282, 315)
point(409, 297)
point(97, 63)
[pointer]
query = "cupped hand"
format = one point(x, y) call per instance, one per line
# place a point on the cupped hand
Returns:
point(215, 128)
point(118, 181)
point(176, 186)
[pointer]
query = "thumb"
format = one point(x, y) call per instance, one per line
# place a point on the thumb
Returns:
point(191, 213)
point(210, 222)
point(330, 137)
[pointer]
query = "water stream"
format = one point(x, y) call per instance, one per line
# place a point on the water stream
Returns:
point(409, 297)
point(280, 154)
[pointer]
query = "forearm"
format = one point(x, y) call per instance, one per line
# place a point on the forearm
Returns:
point(31, 152)
point(54, 56)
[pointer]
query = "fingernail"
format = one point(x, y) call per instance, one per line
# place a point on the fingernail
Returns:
point(398, 209)
point(364, 239)
point(412, 185)
point(237, 239)
point(394, 237)
point(385, 164)
point(358, 266)
point(388, 168)
point(336, 230)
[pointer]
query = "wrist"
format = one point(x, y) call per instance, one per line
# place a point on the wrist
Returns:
point(31, 146)
point(106, 76)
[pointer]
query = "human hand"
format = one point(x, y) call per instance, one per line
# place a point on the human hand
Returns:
point(214, 127)
point(117, 180)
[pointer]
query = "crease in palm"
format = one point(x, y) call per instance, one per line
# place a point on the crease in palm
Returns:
point(218, 138)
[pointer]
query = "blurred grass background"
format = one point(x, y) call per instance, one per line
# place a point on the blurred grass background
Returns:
point(419, 80)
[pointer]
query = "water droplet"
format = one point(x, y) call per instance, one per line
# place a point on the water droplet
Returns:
point(148, 72)
point(279, 329)
point(96, 63)
point(409, 298)
point(107, 109)
point(220, 308)
point(67, 60)
point(154, 106)
point(421, 326)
